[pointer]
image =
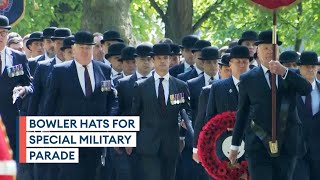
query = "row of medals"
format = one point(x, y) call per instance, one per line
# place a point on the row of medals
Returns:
point(16, 70)
point(177, 98)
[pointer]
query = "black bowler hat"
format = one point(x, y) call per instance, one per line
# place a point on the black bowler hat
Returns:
point(111, 36)
point(240, 52)
point(199, 45)
point(83, 37)
point(128, 53)
point(67, 42)
point(161, 49)
point(265, 37)
point(189, 41)
point(225, 60)
point(308, 58)
point(209, 53)
point(175, 49)
point(115, 49)
point(248, 36)
point(61, 33)
point(35, 36)
point(4, 22)
point(48, 32)
point(143, 50)
point(288, 57)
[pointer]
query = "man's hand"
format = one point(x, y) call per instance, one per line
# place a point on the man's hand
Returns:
point(233, 156)
point(195, 157)
point(129, 150)
point(276, 67)
point(20, 91)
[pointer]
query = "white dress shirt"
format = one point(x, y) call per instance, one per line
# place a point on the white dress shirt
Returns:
point(58, 61)
point(236, 82)
point(139, 76)
point(165, 84)
point(207, 79)
point(106, 62)
point(6, 58)
point(315, 96)
point(114, 72)
point(198, 70)
point(186, 66)
point(80, 71)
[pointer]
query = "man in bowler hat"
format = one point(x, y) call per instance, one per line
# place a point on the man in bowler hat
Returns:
point(110, 37)
point(114, 57)
point(308, 166)
point(253, 119)
point(67, 48)
point(224, 68)
point(158, 139)
point(80, 94)
point(175, 57)
point(289, 59)
point(188, 60)
point(248, 39)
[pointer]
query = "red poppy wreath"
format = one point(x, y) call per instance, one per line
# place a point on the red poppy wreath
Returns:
point(215, 134)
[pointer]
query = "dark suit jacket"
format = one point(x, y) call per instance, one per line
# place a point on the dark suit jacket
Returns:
point(158, 130)
point(311, 127)
point(116, 79)
point(40, 79)
point(176, 69)
point(188, 75)
point(8, 110)
point(255, 104)
point(33, 63)
point(223, 97)
point(65, 96)
point(195, 85)
point(200, 120)
point(125, 94)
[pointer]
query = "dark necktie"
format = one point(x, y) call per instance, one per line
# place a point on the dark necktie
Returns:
point(192, 66)
point(308, 104)
point(87, 81)
point(143, 77)
point(270, 78)
point(161, 98)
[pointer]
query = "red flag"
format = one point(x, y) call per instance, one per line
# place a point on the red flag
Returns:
point(274, 4)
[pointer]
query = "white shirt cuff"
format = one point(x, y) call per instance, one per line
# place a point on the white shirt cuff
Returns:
point(235, 148)
point(285, 75)
point(195, 150)
point(182, 138)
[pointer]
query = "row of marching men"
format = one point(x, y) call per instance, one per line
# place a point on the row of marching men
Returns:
point(141, 76)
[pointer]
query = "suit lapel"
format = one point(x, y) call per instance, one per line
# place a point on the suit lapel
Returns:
point(98, 76)
point(172, 90)
point(232, 90)
point(75, 78)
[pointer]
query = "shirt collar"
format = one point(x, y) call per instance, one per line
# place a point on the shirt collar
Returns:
point(206, 77)
point(157, 76)
point(81, 66)
point(265, 69)
point(114, 72)
point(57, 60)
point(139, 76)
point(186, 65)
point(313, 84)
point(198, 70)
point(235, 81)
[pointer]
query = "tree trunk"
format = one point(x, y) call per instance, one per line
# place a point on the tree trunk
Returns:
point(103, 15)
point(298, 40)
point(178, 21)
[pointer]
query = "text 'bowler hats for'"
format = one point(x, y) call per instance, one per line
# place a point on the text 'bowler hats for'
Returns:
point(209, 53)
point(189, 41)
point(248, 36)
point(224, 60)
point(111, 36)
point(35, 36)
point(128, 53)
point(288, 57)
point(240, 52)
point(83, 37)
point(61, 33)
point(4, 22)
point(308, 58)
point(265, 37)
point(143, 50)
point(115, 50)
point(67, 42)
point(199, 45)
point(161, 50)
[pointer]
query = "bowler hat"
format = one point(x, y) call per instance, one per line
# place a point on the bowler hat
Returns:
point(61, 33)
point(48, 32)
point(35, 36)
point(67, 42)
point(265, 37)
point(83, 37)
point(289, 56)
point(308, 58)
point(189, 41)
point(111, 36)
point(209, 53)
point(161, 50)
point(199, 45)
point(115, 49)
point(248, 36)
point(175, 49)
point(240, 52)
point(143, 50)
point(225, 60)
point(4, 22)
point(128, 53)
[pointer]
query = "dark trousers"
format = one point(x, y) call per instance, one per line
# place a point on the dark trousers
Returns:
point(264, 167)
point(45, 171)
point(124, 165)
point(25, 171)
point(188, 169)
point(307, 169)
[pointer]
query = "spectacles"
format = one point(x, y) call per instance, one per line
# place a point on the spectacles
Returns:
point(3, 33)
